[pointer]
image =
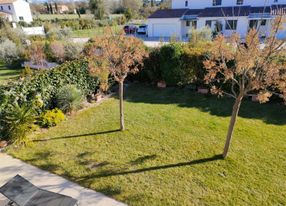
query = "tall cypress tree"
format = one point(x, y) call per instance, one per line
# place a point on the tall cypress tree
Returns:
point(56, 7)
point(97, 8)
point(51, 9)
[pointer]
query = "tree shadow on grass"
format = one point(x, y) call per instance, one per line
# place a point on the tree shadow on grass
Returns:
point(77, 136)
point(270, 113)
point(111, 173)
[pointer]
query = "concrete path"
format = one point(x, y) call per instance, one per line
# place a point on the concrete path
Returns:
point(9, 167)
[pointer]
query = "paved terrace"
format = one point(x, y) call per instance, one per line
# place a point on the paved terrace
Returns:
point(9, 167)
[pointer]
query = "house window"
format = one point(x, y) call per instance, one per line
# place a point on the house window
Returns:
point(194, 24)
point(263, 22)
point(21, 18)
point(253, 24)
point(230, 24)
point(218, 26)
point(209, 23)
point(239, 2)
point(9, 7)
point(275, 1)
point(1, 7)
point(186, 3)
point(188, 23)
point(217, 2)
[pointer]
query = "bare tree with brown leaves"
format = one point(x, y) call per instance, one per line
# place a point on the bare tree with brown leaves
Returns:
point(36, 53)
point(248, 67)
point(120, 55)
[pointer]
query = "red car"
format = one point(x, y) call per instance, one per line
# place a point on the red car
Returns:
point(130, 29)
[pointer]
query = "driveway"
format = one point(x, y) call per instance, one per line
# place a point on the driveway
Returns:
point(148, 41)
point(10, 167)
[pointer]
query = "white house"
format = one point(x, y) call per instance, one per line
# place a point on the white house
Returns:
point(224, 16)
point(16, 10)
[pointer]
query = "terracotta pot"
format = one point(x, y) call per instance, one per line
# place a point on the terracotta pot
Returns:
point(161, 84)
point(3, 144)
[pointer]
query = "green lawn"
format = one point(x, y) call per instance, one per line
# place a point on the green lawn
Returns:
point(7, 73)
point(170, 153)
point(88, 33)
point(61, 16)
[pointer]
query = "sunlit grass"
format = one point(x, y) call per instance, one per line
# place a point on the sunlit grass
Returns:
point(169, 153)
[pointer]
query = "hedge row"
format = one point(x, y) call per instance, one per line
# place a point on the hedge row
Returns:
point(47, 83)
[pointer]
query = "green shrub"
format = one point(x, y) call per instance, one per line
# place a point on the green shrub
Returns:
point(8, 51)
point(51, 118)
point(27, 72)
point(17, 121)
point(47, 83)
point(56, 33)
point(72, 50)
point(69, 98)
point(170, 56)
point(176, 63)
point(151, 69)
point(200, 35)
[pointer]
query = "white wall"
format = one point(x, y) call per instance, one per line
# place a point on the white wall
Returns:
point(11, 10)
point(242, 25)
point(6, 8)
point(200, 4)
point(22, 9)
point(175, 22)
point(34, 30)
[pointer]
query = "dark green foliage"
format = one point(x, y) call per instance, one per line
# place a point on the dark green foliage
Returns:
point(47, 83)
point(170, 60)
point(176, 64)
point(151, 71)
point(97, 8)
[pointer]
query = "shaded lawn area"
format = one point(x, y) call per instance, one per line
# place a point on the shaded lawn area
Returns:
point(7, 73)
point(170, 153)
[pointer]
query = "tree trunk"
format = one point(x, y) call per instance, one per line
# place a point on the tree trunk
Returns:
point(234, 115)
point(122, 127)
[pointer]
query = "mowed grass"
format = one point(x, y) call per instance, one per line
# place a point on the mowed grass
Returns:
point(169, 154)
point(7, 73)
point(89, 33)
point(61, 16)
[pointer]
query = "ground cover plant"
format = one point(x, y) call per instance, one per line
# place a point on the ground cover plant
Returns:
point(171, 152)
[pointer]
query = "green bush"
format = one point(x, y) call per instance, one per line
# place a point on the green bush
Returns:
point(8, 51)
point(72, 50)
point(176, 63)
point(51, 118)
point(47, 83)
point(151, 71)
point(69, 98)
point(200, 35)
point(17, 121)
point(170, 59)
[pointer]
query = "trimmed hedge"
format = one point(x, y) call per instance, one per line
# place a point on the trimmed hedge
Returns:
point(47, 83)
point(176, 64)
